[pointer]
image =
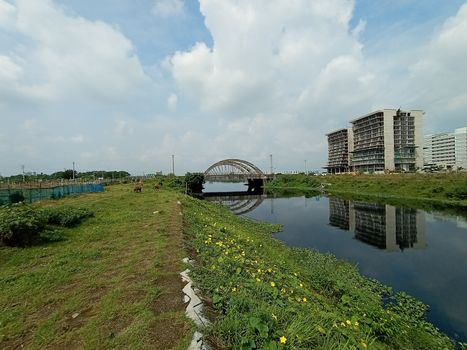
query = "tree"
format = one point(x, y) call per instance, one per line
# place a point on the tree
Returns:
point(194, 182)
point(68, 174)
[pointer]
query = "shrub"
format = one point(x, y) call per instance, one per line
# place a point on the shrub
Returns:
point(457, 193)
point(16, 197)
point(66, 216)
point(194, 182)
point(20, 226)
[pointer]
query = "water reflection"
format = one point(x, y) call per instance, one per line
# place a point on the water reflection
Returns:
point(238, 202)
point(383, 226)
point(435, 273)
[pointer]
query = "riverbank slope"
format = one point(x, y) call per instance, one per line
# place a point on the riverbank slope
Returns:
point(449, 189)
point(269, 296)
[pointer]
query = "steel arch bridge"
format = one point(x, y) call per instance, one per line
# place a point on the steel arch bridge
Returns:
point(234, 170)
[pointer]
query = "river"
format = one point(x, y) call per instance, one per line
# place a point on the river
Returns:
point(421, 253)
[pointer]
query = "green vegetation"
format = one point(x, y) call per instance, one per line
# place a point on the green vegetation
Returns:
point(447, 189)
point(297, 182)
point(441, 187)
point(112, 283)
point(113, 280)
point(67, 175)
point(22, 225)
point(66, 216)
point(194, 182)
point(269, 296)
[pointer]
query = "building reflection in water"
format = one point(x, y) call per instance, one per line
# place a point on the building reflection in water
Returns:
point(383, 226)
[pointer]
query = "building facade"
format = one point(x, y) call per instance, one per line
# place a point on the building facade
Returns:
point(340, 147)
point(384, 140)
point(448, 150)
point(388, 139)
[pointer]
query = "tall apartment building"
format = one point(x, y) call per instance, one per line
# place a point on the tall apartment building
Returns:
point(448, 150)
point(386, 139)
point(340, 147)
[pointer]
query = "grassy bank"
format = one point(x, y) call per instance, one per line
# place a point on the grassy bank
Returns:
point(447, 189)
point(112, 283)
point(268, 296)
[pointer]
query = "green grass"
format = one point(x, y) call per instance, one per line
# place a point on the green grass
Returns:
point(264, 291)
point(101, 287)
point(449, 189)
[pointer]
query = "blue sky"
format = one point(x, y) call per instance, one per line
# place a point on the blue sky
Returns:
point(119, 84)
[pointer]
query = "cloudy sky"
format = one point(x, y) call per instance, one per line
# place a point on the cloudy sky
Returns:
point(124, 84)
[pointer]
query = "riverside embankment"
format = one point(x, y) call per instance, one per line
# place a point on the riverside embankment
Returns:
point(269, 296)
point(428, 191)
point(113, 282)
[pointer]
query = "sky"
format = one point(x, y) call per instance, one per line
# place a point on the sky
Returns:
point(123, 84)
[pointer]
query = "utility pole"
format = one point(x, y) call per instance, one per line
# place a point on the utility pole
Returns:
point(22, 170)
point(73, 171)
point(173, 164)
point(306, 170)
point(270, 161)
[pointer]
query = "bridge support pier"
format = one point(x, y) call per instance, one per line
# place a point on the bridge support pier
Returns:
point(255, 186)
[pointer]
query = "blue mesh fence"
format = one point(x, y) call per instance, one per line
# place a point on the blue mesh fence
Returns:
point(36, 194)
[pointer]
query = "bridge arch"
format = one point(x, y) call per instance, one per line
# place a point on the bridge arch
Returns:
point(234, 169)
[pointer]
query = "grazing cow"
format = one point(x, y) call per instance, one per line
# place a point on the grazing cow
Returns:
point(138, 187)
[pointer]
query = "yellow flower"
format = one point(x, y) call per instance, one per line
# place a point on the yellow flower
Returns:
point(364, 344)
point(269, 270)
point(282, 339)
point(273, 284)
point(274, 317)
point(257, 279)
point(259, 270)
point(234, 289)
point(301, 285)
point(348, 322)
point(304, 300)
point(356, 324)
point(295, 274)
point(342, 324)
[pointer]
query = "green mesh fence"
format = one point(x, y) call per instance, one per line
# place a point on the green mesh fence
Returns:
point(30, 195)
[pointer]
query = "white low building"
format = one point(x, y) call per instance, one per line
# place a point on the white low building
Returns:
point(448, 150)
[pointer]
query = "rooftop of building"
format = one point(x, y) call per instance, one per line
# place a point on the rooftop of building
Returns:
point(336, 131)
point(383, 110)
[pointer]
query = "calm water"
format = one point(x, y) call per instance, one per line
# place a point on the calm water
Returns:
point(410, 250)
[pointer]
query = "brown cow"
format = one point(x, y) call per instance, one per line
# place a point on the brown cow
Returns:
point(138, 187)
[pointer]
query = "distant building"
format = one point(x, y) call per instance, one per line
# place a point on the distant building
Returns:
point(340, 147)
point(448, 150)
point(384, 140)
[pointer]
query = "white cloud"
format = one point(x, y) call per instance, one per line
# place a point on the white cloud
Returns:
point(268, 55)
point(437, 77)
point(9, 70)
point(167, 8)
point(60, 56)
point(172, 101)
point(7, 13)
point(297, 61)
point(122, 128)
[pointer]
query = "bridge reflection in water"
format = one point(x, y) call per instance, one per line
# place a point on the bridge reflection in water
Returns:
point(383, 226)
point(239, 203)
